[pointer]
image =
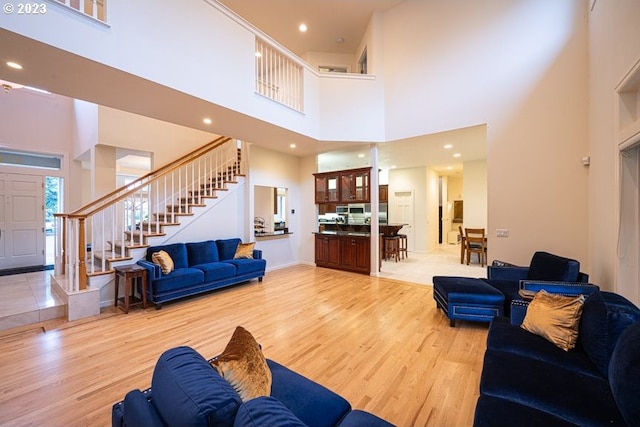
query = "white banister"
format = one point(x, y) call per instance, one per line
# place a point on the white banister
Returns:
point(127, 216)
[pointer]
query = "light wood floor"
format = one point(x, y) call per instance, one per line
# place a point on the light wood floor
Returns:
point(379, 343)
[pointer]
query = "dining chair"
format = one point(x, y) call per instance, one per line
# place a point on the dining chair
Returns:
point(463, 245)
point(476, 243)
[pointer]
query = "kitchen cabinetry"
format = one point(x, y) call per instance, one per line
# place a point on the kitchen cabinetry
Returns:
point(327, 251)
point(347, 186)
point(327, 187)
point(383, 194)
point(354, 186)
point(343, 252)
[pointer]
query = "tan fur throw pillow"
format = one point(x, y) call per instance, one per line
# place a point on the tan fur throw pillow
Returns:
point(244, 250)
point(163, 260)
point(555, 317)
point(243, 365)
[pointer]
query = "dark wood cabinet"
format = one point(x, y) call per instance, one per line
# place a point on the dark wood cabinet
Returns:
point(347, 186)
point(354, 186)
point(355, 254)
point(352, 253)
point(327, 251)
point(383, 194)
point(327, 190)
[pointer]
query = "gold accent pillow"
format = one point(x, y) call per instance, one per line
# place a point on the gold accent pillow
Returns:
point(244, 250)
point(555, 317)
point(163, 260)
point(243, 365)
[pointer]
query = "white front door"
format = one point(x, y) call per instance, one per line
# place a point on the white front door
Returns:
point(21, 221)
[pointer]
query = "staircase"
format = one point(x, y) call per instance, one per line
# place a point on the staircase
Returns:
point(117, 228)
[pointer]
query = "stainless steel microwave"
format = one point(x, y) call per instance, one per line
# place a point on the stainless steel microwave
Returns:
point(342, 209)
point(356, 209)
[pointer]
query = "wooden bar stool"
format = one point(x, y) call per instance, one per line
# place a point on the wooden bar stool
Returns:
point(391, 247)
point(402, 249)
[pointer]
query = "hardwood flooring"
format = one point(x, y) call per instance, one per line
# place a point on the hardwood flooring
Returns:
point(379, 343)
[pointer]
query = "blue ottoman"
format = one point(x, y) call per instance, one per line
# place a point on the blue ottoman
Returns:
point(467, 298)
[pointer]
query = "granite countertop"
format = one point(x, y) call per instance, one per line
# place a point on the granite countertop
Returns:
point(344, 233)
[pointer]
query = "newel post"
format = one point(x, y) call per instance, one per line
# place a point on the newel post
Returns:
point(82, 253)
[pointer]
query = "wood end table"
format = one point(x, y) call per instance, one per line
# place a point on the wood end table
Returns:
point(131, 274)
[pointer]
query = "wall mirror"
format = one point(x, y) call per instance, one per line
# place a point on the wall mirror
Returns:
point(270, 210)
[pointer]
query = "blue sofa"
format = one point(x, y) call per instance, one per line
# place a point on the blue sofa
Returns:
point(187, 391)
point(528, 381)
point(544, 266)
point(199, 267)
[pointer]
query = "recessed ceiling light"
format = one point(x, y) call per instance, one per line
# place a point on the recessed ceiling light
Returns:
point(206, 121)
point(448, 146)
point(340, 40)
point(361, 155)
point(14, 65)
point(449, 168)
point(292, 145)
point(457, 155)
point(303, 28)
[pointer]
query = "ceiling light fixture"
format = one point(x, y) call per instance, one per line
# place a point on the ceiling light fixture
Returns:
point(361, 155)
point(457, 155)
point(303, 28)
point(292, 145)
point(340, 40)
point(14, 65)
point(206, 121)
point(448, 147)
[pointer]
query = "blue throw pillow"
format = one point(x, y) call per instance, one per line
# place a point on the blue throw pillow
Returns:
point(605, 315)
point(265, 411)
point(202, 252)
point(187, 391)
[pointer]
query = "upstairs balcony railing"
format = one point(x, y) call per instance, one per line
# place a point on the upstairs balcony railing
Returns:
point(90, 239)
point(92, 8)
point(278, 77)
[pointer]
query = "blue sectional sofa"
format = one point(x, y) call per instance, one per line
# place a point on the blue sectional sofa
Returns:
point(528, 381)
point(199, 267)
point(480, 300)
point(187, 391)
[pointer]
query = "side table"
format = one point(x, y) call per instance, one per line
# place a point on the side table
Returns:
point(131, 274)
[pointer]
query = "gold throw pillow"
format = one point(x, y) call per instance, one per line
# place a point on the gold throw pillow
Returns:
point(555, 317)
point(243, 365)
point(163, 260)
point(244, 250)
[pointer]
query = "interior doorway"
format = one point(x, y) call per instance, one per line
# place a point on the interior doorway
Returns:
point(403, 213)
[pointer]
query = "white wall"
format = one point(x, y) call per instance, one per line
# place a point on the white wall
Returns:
point(475, 194)
point(273, 169)
point(35, 122)
point(520, 66)
point(614, 46)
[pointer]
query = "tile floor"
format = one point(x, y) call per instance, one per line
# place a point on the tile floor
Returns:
point(28, 298)
point(421, 267)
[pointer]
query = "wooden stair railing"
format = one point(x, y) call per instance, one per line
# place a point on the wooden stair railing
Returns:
point(89, 240)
